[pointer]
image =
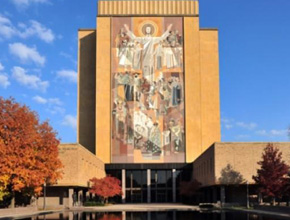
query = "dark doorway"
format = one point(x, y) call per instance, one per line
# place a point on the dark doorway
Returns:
point(161, 186)
point(136, 186)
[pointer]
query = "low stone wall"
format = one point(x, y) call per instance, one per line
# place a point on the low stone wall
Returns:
point(17, 211)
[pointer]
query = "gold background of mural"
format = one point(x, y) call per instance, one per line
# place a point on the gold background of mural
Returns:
point(140, 25)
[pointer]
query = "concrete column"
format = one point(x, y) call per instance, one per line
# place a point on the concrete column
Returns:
point(174, 185)
point(79, 192)
point(123, 185)
point(148, 215)
point(70, 216)
point(148, 185)
point(81, 197)
point(70, 197)
point(87, 195)
point(223, 196)
point(214, 195)
point(174, 215)
point(223, 215)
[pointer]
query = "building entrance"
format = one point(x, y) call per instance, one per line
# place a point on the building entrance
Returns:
point(136, 186)
point(150, 183)
point(161, 186)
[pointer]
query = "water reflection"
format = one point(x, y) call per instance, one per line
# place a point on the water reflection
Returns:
point(172, 215)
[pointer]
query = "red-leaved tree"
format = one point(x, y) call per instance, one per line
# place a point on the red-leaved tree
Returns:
point(28, 149)
point(272, 176)
point(106, 187)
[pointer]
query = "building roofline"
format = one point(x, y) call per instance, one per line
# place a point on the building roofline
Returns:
point(208, 29)
point(87, 29)
point(69, 143)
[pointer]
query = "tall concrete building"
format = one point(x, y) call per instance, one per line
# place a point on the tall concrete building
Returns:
point(149, 107)
point(148, 101)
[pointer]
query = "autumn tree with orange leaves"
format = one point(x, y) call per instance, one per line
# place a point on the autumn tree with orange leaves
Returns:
point(106, 187)
point(28, 149)
point(272, 176)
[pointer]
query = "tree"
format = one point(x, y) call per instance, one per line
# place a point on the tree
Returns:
point(3, 186)
point(272, 176)
point(230, 176)
point(28, 149)
point(106, 187)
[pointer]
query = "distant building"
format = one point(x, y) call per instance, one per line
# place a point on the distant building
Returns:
point(149, 108)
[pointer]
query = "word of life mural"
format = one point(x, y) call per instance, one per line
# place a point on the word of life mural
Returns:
point(147, 90)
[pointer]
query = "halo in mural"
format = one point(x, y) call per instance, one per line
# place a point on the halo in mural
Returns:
point(144, 27)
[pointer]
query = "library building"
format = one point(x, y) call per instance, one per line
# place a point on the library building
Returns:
point(148, 108)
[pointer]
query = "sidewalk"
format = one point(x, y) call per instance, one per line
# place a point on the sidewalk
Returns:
point(28, 213)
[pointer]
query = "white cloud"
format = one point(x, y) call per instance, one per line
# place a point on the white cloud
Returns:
point(70, 75)
point(56, 110)
point(228, 126)
point(227, 123)
point(52, 101)
point(34, 28)
point(273, 133)
point(242, 136)
point(53, 104)
point(31, 81)
point(4, 82)
point(55, 101)
point(26, 54)
point(278, 132)
point(261, 132)
point(26, 3)
point(70, 121)
point(39, 99)
point(37, 29)
point(248, 126)
point(6, 28)
point(1, 67)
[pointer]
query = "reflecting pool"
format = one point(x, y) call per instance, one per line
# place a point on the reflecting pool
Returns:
point(170, 215)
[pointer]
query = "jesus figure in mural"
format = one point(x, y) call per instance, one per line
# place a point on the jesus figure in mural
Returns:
point(148, 42)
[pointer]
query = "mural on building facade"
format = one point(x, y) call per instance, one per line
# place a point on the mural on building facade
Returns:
point(147, 90)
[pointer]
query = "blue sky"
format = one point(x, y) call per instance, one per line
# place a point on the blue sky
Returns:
point(38, 62)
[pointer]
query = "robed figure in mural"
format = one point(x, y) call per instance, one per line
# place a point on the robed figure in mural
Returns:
point(148, 42)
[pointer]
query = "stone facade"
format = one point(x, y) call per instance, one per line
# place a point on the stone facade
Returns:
point(201, 74)
point(241, 156)
point(80, 165)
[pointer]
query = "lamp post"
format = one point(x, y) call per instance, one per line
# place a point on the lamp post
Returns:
point(248, 204)
point(44, 195)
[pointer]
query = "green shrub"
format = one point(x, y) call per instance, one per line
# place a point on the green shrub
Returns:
point(93, 203)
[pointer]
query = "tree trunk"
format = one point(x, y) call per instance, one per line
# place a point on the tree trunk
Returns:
point(12, 203)
point(274, 201)
point(260, 199)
